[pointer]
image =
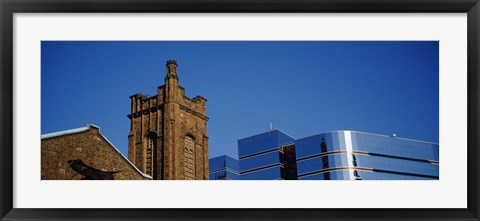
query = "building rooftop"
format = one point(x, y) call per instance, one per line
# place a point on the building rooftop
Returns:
point(86, 128)
point(383, 135)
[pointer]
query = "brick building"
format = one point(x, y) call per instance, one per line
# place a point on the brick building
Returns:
point(168, 132)
point(84, 153)
point(167, 140)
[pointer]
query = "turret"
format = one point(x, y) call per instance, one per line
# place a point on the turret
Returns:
point(171, 81)
point(171, 70)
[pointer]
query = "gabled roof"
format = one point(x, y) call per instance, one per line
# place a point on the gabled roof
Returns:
point(86, 128)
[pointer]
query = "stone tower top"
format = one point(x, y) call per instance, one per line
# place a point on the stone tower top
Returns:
point(169, 62)
point(171, 69)
point(168, 132)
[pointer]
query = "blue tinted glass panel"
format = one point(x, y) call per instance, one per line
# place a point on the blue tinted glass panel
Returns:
point(366, 175)
point(259, 161)
point(273, 173)
point(394, 146)
point(216, 163)
point(332, 175)
point(313, 145)
point(318, 163)
point(223, 175)
point(397, 165)
point(220, 175)
point(318, 176)
point(367, 161)
point(326, 142)
point(232, 175)
point(262, 142)
point(363, 175)
point(283, 139)
point(372, 143)
point(232, 163)
point(223, 161)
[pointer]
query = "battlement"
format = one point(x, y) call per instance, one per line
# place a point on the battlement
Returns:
point(171, 62)
point(199, 99)
point(139, 96)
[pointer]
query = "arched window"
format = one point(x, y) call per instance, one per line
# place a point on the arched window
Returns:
point(189, 154)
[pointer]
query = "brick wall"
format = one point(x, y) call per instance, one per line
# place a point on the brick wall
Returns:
point(90, 147)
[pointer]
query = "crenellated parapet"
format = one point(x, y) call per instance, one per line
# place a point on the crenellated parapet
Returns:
point(141, 104)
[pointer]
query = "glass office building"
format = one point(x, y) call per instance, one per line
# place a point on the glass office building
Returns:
point(267, 156)
point(352, 155)
point(336, 155)
point(223, 168)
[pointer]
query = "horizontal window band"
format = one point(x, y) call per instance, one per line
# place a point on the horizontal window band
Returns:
point(261, 168)
point(365, 153)
point(364, 169)
point(279, 149)
point(403, 158)
point(403, 173)
point(224, 168)
point(332, 152)
point(259, 153)
point(335, 169)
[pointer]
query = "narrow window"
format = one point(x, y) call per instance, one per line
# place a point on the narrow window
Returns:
point(150, 151)
point(189, 154)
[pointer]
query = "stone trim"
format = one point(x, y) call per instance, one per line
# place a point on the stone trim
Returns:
point(195, 113)
point(155, 108)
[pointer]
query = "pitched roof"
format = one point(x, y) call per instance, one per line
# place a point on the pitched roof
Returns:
point(88, 127)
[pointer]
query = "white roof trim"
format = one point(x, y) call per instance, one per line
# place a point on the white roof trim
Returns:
point(82, 129)
point(65, 132)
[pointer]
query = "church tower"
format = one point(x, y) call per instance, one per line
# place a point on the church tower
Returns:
point(168, 132)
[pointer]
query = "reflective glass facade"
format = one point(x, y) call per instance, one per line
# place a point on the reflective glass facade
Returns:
point(336, 155)
point(352, 155)
point(263, 142)
point(267, 156)
point(223, 168)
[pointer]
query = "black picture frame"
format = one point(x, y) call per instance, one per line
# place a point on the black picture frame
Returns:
point(9, 7)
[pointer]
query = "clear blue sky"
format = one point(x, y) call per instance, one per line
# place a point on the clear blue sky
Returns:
point(303, 88)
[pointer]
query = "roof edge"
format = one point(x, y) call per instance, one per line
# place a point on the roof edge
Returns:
point(70, 131)
point(88, 127)
point(363, 132)
point(268, 131)
point(126, 159)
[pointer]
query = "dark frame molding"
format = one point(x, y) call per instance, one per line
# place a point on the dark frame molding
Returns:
point(9, 7)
